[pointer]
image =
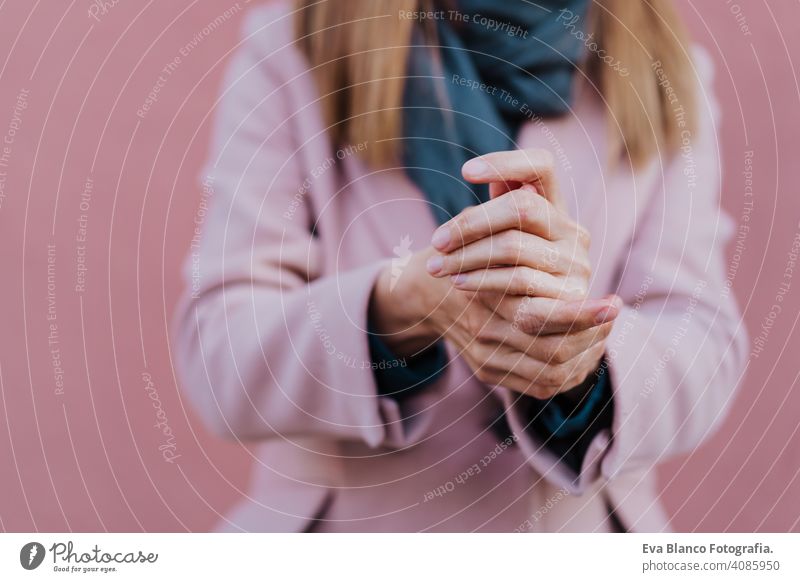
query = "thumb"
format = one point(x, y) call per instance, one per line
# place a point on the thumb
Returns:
point(532, 166)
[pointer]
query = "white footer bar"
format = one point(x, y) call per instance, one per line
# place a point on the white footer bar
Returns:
point(400, 557)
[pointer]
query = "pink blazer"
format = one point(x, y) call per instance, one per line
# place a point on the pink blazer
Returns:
point(270, 338)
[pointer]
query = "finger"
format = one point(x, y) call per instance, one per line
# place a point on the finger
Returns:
point(501, 370)
point(544, 316)
point(534, 166)
point(521, 373)
point(522, 385)
point(551, 379)
point(521, 281)
point(521, 209)
point(511, 247)
point(548, 349)
point(562, 348)
point(581, 366)
point(530, 385)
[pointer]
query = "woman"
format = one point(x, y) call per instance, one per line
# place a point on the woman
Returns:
point(395, 294)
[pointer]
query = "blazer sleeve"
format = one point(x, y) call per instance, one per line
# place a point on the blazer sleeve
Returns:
point(679, 348)
point(266, 344)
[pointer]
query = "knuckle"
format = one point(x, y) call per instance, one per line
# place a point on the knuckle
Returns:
point(483, 367)
point(579, 263)
point(463, 223)
point(551, 256)
point(556, 376)
point(575, 286)
point(521, 280)
point(483, 351)
point(508, 244)
point(527, 206)
point(549, 215)
point(561, 354)
point(488, 336)
point(472, 322)
point(591, 336)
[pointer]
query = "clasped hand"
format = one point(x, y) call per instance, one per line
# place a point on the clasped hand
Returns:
point(506, 283)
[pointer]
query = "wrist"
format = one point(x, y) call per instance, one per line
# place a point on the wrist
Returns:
point(399, 308)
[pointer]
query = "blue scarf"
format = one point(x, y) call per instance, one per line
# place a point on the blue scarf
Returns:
point(502, 62)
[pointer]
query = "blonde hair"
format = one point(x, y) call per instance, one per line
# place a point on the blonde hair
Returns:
point(358, 52)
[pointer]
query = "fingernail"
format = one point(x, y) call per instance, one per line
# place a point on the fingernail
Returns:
point(475, 167)
point(441, 238)
point(606, 314)
point(434, 264)
point(458, 279)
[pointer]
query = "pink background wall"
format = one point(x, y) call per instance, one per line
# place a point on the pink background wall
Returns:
point(89, 458)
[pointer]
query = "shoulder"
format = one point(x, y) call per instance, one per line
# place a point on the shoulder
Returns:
point(267, 71)
point(276, 18)
point(268, 34)
point(706, 104)
point(264, 77)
